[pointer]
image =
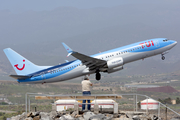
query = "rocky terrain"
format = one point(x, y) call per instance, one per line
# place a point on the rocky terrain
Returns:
point(84, 116)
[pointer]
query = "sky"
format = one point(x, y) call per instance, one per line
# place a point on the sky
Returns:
point(36, 28)
point(17, 6)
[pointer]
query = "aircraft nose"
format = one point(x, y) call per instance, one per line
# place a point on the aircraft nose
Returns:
point(173, 42)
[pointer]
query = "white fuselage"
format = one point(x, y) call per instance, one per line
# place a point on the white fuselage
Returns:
point(128, 54)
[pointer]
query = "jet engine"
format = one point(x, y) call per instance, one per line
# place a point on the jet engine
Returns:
point(115, 63)
point(115, 69)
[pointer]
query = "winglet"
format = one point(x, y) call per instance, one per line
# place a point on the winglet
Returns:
point(69, 50)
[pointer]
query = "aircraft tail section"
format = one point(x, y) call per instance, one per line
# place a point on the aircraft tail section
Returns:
point(21, 65)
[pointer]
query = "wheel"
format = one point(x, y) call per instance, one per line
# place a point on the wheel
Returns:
point(98, 76)
point(163, 58)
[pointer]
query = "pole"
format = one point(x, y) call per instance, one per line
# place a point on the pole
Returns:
point(166, 111)
point(146, 105)
point(29, 105)
point(136, 102)
point(159, 110)
point(26, 103)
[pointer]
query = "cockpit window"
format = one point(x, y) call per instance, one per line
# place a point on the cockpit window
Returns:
point(165, 40)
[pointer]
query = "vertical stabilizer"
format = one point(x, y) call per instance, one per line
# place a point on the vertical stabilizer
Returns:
point(21, 65)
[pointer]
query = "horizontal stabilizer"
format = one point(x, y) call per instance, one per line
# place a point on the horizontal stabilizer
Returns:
point(19, 77)
point(66, 60)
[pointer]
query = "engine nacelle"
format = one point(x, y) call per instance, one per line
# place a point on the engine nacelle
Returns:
point(115, 63)
point(115, 69)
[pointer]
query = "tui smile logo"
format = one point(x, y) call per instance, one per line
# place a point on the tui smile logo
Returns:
point(18, 67)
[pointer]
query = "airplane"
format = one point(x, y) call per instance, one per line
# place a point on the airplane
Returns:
point(108, 62)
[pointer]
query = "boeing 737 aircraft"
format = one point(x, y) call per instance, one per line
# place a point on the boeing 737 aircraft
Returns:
point(108, 61)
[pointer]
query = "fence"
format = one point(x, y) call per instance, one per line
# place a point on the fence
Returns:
point(128, 102)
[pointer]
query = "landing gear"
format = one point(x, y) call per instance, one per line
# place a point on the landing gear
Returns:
point(98, 76)
point(163, 58)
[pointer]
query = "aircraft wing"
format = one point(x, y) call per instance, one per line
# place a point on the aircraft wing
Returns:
point(92, 63)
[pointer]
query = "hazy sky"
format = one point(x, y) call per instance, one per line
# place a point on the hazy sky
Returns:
point(36, 28)
point(40, 5)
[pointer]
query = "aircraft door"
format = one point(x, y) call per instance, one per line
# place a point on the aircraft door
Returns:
point(157, 43)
